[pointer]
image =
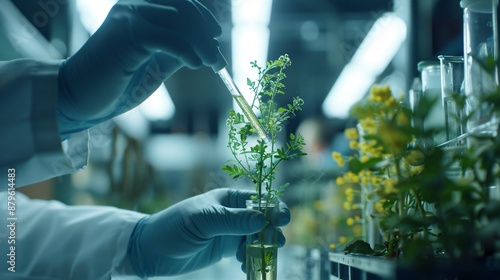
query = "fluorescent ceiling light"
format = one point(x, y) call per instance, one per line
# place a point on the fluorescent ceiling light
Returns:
point(159, 106)
point(254, 12)
point(371, 58)
point(350, 86)
point(250, 40)
point(183, 152)
point(93, 12)
point(249, 43)
point(133, 124)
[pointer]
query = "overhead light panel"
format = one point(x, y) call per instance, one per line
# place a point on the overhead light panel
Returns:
point(370, 59)
point(93, 12)
point(250, 40)
point(159, 106)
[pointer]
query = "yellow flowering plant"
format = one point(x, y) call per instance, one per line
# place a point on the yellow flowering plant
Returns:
point(379, 166)
point(403, 185)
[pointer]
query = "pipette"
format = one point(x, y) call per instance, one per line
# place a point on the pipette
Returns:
point(220, 68)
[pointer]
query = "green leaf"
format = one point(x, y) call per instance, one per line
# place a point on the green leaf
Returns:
point(355, 165)
point(488, 64)
point(359, 247)
point(234, 171)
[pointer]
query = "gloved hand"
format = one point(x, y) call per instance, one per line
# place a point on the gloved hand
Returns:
point(139, 45)
point(196, 233)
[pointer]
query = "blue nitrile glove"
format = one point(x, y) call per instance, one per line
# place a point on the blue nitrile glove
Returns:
point(196, 233)
point(140, 44)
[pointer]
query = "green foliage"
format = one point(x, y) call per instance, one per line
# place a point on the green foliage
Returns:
point(359, 247)
point(259, 159)
point(429, 201)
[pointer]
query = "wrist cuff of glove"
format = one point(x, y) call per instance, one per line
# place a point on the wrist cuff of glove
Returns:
point(67, 125)
point(134, 252)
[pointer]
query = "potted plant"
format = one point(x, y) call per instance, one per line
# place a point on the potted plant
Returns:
point(431, 205)
point(257, 159)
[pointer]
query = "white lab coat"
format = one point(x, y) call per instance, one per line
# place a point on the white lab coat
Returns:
point(53, 241)
point(30, 140)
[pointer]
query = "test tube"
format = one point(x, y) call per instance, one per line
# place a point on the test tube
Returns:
point(452, 77)
point(430, 75)
point(220, 68)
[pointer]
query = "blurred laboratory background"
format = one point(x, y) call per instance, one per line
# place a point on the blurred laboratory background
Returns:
point(174, 145)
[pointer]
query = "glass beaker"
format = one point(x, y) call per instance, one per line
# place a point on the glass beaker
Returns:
point(262, 247)
point(430, 75)
point(480, 59)
point(414, 96)
point(452, 77)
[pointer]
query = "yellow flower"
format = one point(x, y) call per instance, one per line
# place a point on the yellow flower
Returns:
point(340, 181)
point(350, 221)
point(380, 93)
point(370, 148)
point(353, 144)
point(338, 158)
point(394, 138)
point(343, 239)
point(352, 177)
point(347, 205)
point(363, 147)
point(351, 133)
point(349, 191)
point(415, 157)
point(390, 102)
point(369, 125)
point(364, 159)
point(390, 186)
point(357, 230)
point(332, 246)
point(365, 180)
point(379, 206)
point(415, 170)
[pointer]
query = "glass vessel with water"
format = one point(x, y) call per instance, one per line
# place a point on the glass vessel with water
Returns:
point(481, 63)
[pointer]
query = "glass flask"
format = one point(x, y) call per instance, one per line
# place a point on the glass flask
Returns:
point(480, 63)
point(430, 75)
point(452, 91)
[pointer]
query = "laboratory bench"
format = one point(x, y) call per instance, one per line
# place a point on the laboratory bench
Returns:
point(294, 263)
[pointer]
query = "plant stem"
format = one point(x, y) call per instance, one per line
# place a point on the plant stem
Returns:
point(262, 252)
point(260, 171)
point(401, 196)
point(421, 209)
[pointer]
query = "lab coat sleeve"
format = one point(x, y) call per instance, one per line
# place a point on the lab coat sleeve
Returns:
point(30, 141)
point(56, 241)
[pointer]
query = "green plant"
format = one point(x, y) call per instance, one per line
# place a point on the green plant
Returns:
point(427, 201)
point(259, 161)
